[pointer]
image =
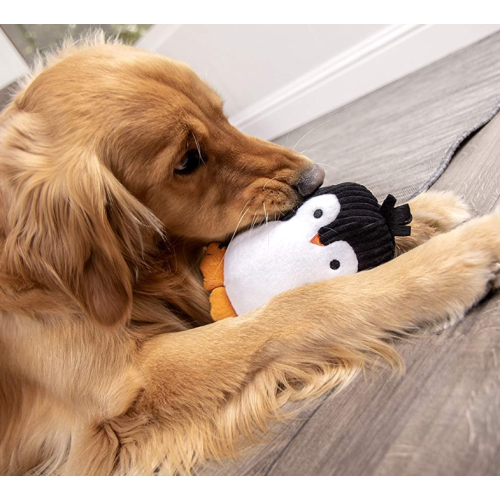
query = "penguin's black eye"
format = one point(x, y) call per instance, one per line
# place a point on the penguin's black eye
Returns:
point(318, 214)
point(190, 162)
point(334, 264)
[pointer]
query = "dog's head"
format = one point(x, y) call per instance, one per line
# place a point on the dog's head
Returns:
point(107, 139)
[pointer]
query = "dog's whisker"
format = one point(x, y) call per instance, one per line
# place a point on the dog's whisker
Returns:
point(268, 181)
point(198, 147)
point(310, 132)
point(328, 165)
point(243, 213)
point(254, 220)
point(318, 150)
point(312, 145)
point(279, 210)
point(266, 219)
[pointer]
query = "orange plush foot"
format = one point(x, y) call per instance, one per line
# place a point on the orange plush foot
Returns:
point(221, 306)
point(212, 266)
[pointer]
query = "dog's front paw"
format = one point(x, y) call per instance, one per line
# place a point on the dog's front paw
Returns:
point(454, 271)
point(440, 211)
point(482, 235)
point(433, 213)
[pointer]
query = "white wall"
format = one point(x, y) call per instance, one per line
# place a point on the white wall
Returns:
point(275, 78)
point(12, 65)
point(248, 62)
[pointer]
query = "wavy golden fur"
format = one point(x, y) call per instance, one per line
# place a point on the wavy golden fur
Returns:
point(108, 361)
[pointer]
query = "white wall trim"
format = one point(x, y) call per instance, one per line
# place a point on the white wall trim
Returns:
point(381, 59)
point(321, 75)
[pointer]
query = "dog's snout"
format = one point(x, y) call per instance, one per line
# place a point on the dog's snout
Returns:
point(311, 180)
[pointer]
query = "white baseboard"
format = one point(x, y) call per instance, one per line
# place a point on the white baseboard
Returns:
point(381, 59)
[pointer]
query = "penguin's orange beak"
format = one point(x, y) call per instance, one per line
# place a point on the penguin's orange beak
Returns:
point(316, 241)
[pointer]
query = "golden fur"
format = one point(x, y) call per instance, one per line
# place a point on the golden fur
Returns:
point(101, 371)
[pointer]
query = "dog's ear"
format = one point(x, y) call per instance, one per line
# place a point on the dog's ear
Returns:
point(69, 222)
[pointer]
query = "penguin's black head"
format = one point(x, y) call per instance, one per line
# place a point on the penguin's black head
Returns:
point(365, 225)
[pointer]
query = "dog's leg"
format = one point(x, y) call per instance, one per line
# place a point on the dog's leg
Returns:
point(203, 389)
point(433, 213)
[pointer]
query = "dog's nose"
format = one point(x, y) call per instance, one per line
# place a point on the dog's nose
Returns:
point(311, 180)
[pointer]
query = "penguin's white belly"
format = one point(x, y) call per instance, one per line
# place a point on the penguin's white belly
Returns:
point(277, 257)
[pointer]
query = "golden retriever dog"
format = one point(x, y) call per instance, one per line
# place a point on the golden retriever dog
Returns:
point(116, 168)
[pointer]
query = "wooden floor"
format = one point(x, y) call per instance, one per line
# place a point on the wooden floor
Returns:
point(442, 416)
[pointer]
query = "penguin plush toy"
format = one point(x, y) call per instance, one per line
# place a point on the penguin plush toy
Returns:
point(340, 230)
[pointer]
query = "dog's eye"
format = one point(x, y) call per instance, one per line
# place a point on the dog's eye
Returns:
point(189, 163)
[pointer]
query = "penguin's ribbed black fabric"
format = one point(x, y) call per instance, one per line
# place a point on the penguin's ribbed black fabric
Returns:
point(363, 225)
